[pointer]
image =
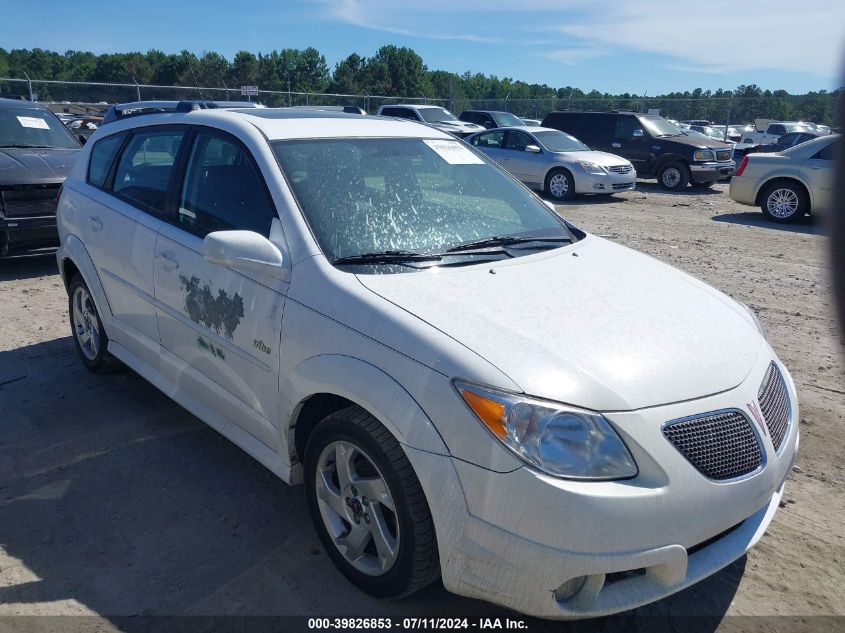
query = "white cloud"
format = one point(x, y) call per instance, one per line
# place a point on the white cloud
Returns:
point(752, 35)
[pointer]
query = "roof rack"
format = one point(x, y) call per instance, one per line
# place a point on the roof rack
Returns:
point(137, 108)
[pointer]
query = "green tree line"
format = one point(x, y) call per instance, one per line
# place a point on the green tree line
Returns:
point(392, 71)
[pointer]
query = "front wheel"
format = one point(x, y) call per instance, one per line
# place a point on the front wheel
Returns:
point(368, 507)
point(673, 176)
point(560, 185)
point(784, 202)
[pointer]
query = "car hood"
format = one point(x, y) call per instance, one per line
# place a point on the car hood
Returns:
point(35, 166)
point(457, 126)
point(603, 159)
point(700, 141)
point(595, 324)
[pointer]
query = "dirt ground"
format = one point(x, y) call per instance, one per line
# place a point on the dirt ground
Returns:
point(116, 502)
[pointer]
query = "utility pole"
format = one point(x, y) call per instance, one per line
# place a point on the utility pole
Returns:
point(29, 85)
point(728, 120)
point(137, 89)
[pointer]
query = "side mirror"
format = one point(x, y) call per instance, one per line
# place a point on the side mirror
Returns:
point(638, 132)
point(82, 138)
point(244, 250)
point(534, 149)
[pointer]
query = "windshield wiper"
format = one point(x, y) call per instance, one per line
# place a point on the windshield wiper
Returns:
point(503, 240)
point(387, 257)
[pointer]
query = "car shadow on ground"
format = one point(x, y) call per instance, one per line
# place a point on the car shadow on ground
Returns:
point(583, 198)
point(807, 225)
point(28, 265)
point(115, 498)
point(653, 187)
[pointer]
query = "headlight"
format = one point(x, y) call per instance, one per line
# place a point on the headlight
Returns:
point(591, 168)
point(555, 438)
point(757, 322)
point(703, 155)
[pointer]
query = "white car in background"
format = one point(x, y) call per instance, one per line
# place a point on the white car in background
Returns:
point(788, 184)
point(467, 385)
point(435, 116)
point(555, 162)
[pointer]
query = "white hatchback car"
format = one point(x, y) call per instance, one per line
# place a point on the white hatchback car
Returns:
point(467, 385)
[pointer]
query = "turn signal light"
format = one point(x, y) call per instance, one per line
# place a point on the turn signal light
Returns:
point(490, 412)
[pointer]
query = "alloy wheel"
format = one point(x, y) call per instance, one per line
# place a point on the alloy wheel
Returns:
point(559, 185)
point(782, 203)
point(85, 324)
point(357, 508)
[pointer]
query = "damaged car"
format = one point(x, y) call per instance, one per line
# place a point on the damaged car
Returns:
point(468, 386)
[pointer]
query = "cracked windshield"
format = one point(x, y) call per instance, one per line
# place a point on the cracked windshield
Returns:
point(383, 201)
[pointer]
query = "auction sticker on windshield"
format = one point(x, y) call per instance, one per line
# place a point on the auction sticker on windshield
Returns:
point(33, 121)
point(454, 153)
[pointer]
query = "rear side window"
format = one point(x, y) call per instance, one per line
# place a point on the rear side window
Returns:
point(102, 155)
point(143, 171)
point(568, 123)
point(402, 113)
point(829, 152)
point(223, 190)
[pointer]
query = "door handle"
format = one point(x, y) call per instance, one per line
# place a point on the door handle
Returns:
point(170, 262)
point(616, 144)
point(95, 223)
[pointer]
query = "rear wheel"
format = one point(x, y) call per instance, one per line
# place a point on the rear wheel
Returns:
point(673, 176)
point(368, 507)
point(784, 202)
point(89, 336)
point(560, 185)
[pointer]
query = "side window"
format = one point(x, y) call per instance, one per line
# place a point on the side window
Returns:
point(625, 126)
point(489, 139)
point(143, 172)
point(517, 141)
point(777, 129)
point(223, 190)
point(828, 153)
point(102, 155)
point(389, 112)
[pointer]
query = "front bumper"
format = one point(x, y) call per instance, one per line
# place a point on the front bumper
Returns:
point(515, 538)
point(604, 183)
point(709, 172)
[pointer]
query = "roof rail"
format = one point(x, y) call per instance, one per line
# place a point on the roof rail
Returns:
point(138, 108)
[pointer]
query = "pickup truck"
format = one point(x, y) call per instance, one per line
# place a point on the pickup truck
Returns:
point(768, 131)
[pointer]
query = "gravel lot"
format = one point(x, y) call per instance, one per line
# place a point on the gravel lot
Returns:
point(114, 501)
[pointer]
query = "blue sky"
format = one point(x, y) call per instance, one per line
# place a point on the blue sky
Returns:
point(637, 46)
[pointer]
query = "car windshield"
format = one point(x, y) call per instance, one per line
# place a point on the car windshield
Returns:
point(658, 126)
point(433, 115)
point(505, 119)
point(797, 127)
point(31, 127)
point(713, 132)
point(409, 195)
point(555, 141)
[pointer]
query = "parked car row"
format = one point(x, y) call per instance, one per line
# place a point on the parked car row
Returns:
point(467, 385)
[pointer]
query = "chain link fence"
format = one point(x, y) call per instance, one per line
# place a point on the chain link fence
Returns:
point(82, 97)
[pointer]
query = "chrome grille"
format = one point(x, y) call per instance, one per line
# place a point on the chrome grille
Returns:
point(724, 154)
point(621, 169)
point(774, 404)
point(720, 445)
point(29, 200)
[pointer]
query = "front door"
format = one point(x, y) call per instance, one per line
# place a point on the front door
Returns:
point(528, 166)
point(220, 328)
point(632, 142)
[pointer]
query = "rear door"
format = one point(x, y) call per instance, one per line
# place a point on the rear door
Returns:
point(120, 227)
point(491, 143)
point(817, 172)
point(220, 328)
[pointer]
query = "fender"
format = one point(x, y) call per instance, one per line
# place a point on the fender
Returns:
point(367, 386)
point(784, 175)
point(657, 161)
point(74, 250)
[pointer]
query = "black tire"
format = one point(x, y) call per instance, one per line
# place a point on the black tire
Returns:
point(97, 359)
point(564, 192)
point(4, 243)
point(703, 185)
point(417, 562)
point(673, 176)
point(793, 198)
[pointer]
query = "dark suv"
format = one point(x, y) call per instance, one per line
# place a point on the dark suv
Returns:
point(36, 154)
point(656, 148)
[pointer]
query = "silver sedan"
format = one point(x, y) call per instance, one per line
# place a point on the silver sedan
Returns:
point(555, 162)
